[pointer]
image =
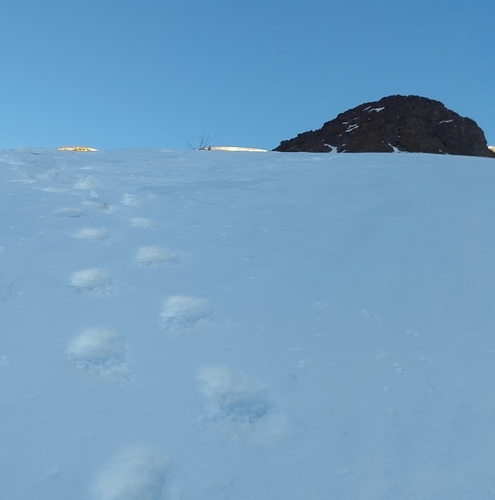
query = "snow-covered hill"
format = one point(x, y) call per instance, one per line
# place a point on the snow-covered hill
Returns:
point(210, 325)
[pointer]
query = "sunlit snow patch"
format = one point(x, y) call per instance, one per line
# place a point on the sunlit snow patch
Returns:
point(100, 352)
point(96, 279)
point(181, 311)
point(235, 407)
point(137, 473)
point(153, 256)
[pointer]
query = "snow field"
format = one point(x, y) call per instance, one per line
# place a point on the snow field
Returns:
point(326, 262)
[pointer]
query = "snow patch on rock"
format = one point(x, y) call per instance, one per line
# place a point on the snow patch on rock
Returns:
point(137, 473)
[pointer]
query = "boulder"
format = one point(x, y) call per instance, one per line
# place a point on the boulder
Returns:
point(395, 123)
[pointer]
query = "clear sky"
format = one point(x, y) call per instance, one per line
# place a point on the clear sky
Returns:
point(155, 73)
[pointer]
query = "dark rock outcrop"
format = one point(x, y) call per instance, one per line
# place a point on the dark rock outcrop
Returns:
point(404, 123)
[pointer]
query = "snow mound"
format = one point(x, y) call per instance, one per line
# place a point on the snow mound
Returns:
point(137, 473)
point(180, 311)
point(153, 256)
point(236, 408)
point(96, 279)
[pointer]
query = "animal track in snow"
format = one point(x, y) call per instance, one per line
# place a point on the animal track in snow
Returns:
point(235, 407)
point(100, 352)
point(68, 212)
point(95, 279)
point(90, 234)
point(137, 473)
point(153, 256)
point(182, 311)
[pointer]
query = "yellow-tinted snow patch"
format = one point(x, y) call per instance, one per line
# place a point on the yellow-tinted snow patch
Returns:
point(76, 148)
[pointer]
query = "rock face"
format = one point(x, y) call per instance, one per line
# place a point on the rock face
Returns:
point(395, 123)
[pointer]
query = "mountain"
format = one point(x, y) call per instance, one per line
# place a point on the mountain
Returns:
point(395, 123)
point(209, 325)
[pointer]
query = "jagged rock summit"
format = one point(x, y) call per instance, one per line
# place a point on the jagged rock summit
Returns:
point(395, 123)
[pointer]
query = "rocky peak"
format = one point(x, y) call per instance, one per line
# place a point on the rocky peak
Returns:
point(395, 123)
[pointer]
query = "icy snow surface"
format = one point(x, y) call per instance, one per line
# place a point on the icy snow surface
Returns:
point(212, 326)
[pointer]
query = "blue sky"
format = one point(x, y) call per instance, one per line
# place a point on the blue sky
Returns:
point(121, 74)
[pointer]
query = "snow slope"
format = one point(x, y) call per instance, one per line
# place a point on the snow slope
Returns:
point(210, 325)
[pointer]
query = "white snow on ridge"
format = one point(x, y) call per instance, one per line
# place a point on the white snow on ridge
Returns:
point(325, 330)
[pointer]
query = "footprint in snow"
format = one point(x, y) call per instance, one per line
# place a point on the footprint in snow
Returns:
point(100, 353)
point(138, 472)
point(132, 200)
point(68, 212)
point(154, 256)
point(96, 280)
point(90, 234)
point(86, 183)
point(180, 312)
point(235, 407)
point(143, 222)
